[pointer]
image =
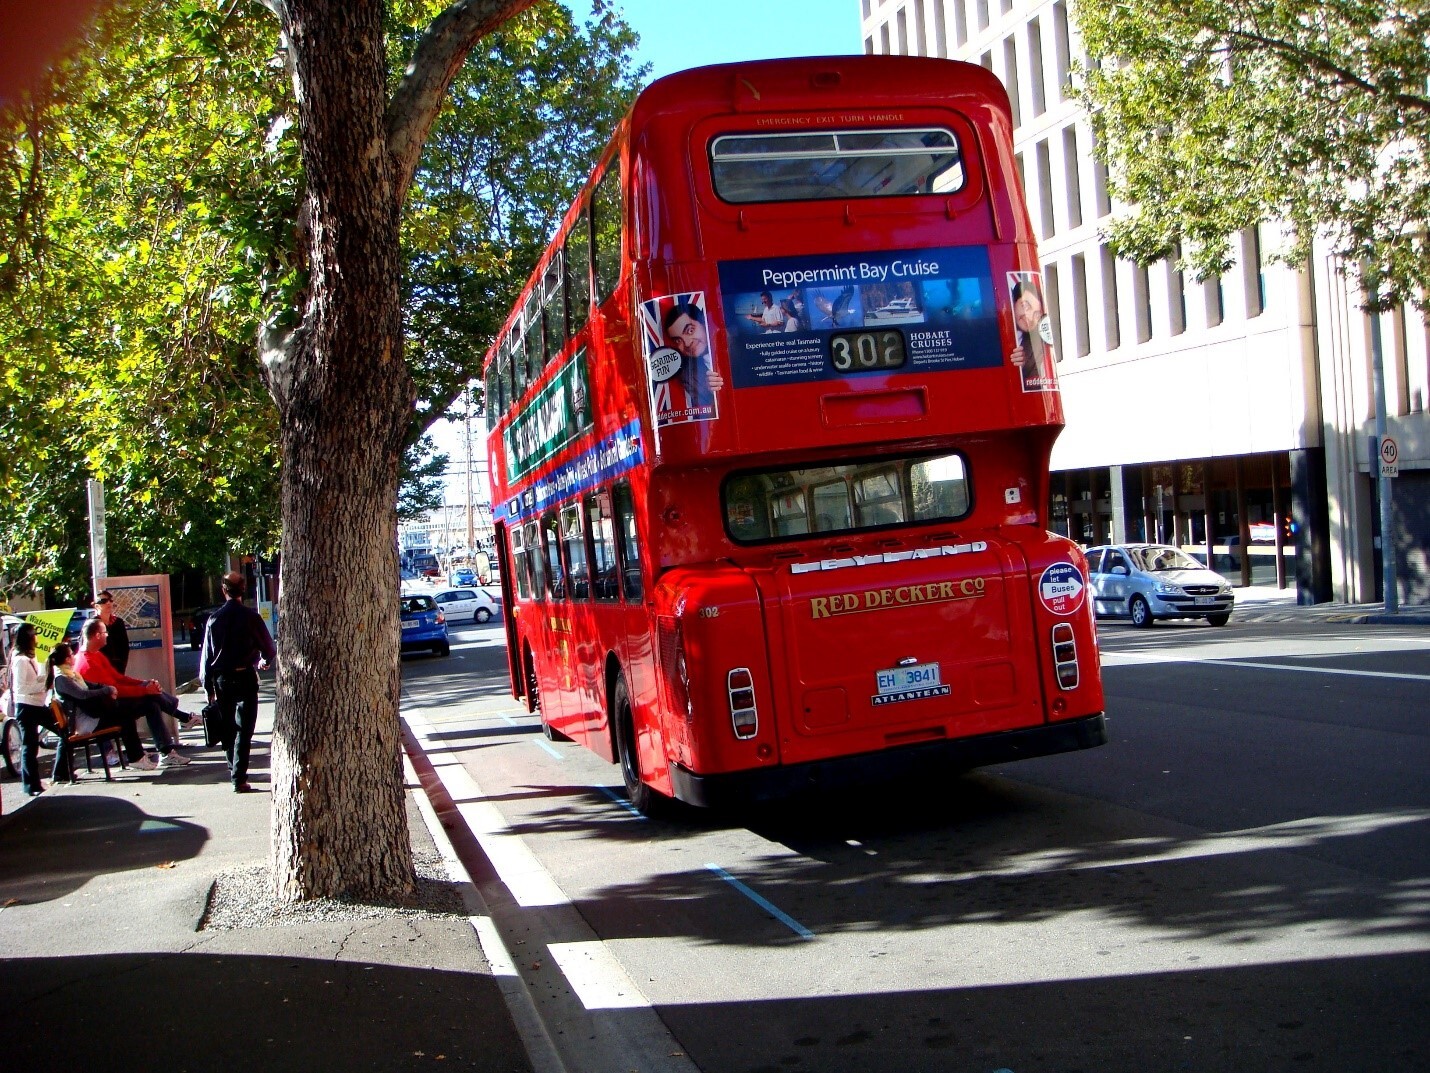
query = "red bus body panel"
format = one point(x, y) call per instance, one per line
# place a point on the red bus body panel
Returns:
point(815, 621)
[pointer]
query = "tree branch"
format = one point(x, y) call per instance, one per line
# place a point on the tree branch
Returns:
point(435, 62)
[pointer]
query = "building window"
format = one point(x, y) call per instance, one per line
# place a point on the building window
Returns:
point(1215, 303)
point(868, 46)
point(1062, 48)
point(1010, 78)
point(1111, 329)
point(1142, 302)
point(1081, 332)
point(1045, 188)
point(986, 61)
point(982, 10)
point(921, 36)
point(960, 22)
point(1253, 276)
point(1072, 176)
point(903, 22)
point(1176, 295)
point(1099, 187)
point(884, 38)
point(1055, 307)
point(1035, 67)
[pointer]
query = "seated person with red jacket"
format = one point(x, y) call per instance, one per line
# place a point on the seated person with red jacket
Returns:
point(135, 698)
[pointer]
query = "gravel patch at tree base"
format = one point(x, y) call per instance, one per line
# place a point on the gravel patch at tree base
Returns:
point(243, 898)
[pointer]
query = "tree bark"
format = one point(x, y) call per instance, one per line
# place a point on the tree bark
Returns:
point(339, 821)
point(345, 398)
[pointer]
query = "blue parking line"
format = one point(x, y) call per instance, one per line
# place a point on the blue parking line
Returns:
point(618, 799)
point(779, 914)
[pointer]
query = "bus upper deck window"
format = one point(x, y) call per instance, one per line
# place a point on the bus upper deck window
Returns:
point(837, 164)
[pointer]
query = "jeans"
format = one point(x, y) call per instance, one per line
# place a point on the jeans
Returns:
point(238, 715)
point(31, 717)
point(133, 707)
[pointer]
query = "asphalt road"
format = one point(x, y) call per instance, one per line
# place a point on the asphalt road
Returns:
point(1239, 881)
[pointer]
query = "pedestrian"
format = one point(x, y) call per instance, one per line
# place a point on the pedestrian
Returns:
point(27, 686)
point(237, 645)
point(116, 646)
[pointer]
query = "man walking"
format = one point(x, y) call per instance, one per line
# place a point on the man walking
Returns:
point(237, 645)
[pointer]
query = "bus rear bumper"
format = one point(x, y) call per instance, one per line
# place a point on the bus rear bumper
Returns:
point(763, 784)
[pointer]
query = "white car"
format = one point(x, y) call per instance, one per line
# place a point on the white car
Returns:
point(466, 601)
point(1147, 582)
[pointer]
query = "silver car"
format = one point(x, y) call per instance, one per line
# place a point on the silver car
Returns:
point(1145, 582)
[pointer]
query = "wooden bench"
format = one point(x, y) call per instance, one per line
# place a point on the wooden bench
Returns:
point(73, 739)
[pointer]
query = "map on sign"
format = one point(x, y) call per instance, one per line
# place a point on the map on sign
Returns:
point(1061, 588)
point(138, 606)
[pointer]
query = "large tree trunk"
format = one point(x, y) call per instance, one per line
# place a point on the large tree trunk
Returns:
point(339, 824)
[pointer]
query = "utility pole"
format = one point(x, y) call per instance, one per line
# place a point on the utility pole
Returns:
point(1388, 564)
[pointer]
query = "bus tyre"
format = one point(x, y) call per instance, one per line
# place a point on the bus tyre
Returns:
point(646, 801)
point(1221, 618)
point(1141, 613)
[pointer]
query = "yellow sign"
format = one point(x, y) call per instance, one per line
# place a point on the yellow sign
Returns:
point(50, 628)
point(852, 603)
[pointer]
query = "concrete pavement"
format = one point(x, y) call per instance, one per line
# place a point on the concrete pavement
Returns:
point(105, 962)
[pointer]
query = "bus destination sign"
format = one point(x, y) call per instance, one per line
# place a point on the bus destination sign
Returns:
point(829, 317)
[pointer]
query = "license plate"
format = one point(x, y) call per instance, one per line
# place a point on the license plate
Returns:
point(410, 625)
point(900, 679)
point(1203, 601)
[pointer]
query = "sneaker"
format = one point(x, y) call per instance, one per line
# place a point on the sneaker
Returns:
point(193, 722)
point(174, 758)
point(111, 755)
point(145, 763)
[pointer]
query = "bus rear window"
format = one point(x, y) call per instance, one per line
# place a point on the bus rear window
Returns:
point(808, 166)
point(844, 498)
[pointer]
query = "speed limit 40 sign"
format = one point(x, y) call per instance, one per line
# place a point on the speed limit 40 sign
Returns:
point(1389, 458)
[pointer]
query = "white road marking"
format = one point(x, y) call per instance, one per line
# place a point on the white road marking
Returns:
point(1111, 659)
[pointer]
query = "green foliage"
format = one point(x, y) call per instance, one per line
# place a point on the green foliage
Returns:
point(148, 198)
point(523, 125)
point(1214, 114)
point(423, 480)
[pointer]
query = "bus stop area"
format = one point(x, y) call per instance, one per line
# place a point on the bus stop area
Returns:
point(108, 959)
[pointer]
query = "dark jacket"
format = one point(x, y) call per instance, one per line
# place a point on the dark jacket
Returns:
point(235, 639)
point(116, 645)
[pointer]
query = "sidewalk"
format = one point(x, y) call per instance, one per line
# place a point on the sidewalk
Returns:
point(103, 963)
point(1266, 603)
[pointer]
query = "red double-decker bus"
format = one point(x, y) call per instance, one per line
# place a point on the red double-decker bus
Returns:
point(769, 434)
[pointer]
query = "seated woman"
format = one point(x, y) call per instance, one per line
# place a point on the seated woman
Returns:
point(88, 709)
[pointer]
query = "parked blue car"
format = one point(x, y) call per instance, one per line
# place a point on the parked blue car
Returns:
point(424, 625)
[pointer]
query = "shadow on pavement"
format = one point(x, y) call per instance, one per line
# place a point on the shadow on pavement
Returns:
point(60, 841)
point(206, 1011)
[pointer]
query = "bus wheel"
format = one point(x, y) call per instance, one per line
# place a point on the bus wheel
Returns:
point(645, 800)
point(533, 691)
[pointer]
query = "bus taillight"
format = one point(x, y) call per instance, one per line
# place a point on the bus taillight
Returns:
point(740, 685)
point(1065, 656)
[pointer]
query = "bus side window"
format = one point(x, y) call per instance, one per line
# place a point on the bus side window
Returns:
point(535, 351)
point(553, 309)
point(630, 546)
point(878, 498)
point(491, 403)
point(831, 507)
point(551, 547)
point(606, 231)
point(535, 572)
point(518, 562)
point(518, 363)
point(789, 513)
point(578, 272)
point(603, 547)
point(574, 539)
